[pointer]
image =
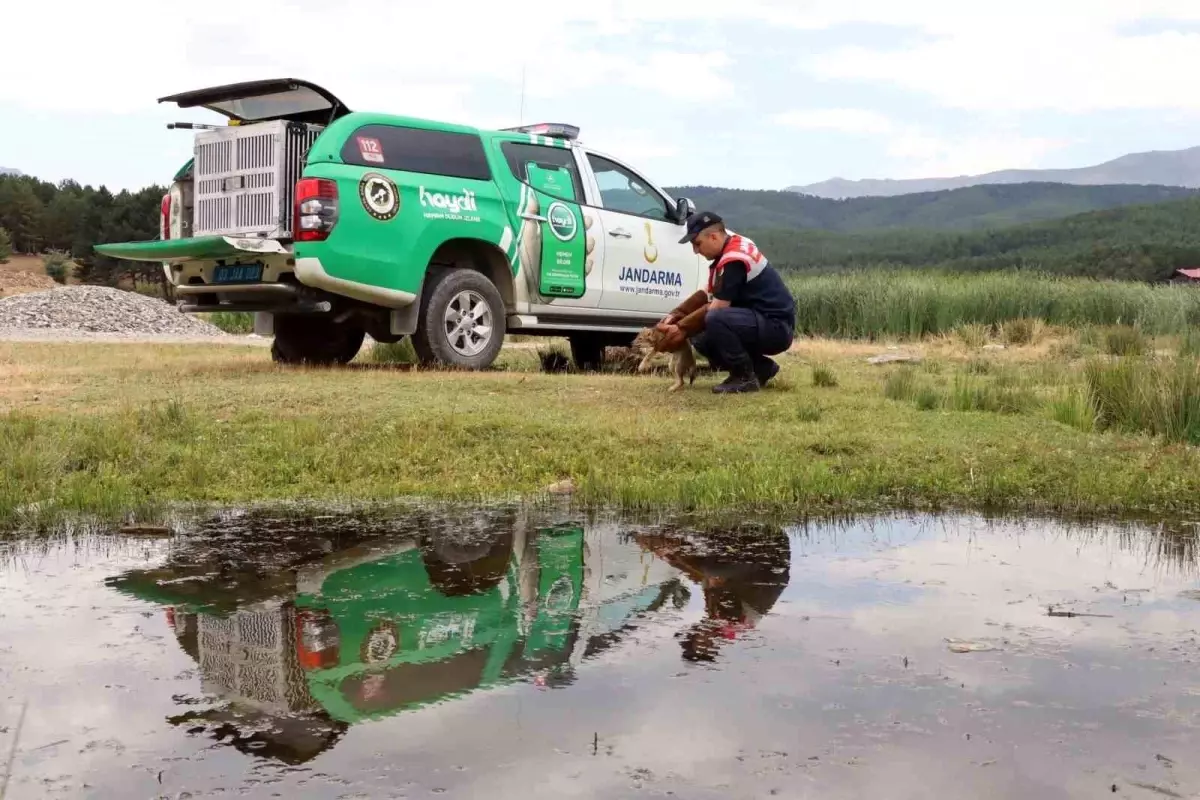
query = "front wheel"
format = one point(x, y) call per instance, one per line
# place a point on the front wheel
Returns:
point(461, 321)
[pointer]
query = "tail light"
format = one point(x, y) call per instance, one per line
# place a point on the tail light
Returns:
point(318, 642)
point(164, 224)
point(316, 209)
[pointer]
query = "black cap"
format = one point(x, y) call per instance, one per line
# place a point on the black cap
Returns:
point(698, 222)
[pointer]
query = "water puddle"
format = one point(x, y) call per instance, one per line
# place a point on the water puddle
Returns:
point(507, 653)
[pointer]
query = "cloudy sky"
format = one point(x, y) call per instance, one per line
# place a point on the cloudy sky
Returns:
point(748, 94)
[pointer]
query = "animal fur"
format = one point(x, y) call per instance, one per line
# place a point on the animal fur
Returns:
point(689, 316)
point(682, 359)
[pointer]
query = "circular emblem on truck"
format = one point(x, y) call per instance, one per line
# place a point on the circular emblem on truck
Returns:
point(562, 222)
point(379, 196)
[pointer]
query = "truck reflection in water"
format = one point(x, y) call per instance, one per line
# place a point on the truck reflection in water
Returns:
point(302, 634)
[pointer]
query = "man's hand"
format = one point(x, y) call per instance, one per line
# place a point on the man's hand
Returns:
point(714, 304)
point(666, 324)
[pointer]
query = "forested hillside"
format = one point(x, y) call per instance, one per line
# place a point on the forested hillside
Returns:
point(1142, 242)
point(39, 216)
point(1146, 242)
point(974, 208)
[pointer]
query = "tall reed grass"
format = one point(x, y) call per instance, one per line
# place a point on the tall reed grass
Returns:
point(1145, 395)
point(871, 304)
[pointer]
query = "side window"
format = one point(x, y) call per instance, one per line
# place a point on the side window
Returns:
point(548, 169)
point(458, 155)
point(621, 190)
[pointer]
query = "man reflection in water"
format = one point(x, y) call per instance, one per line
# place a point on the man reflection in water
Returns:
point(742, 573)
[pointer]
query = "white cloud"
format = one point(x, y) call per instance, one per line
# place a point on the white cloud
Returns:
point(151, 50)
point(920, 152)
point(843, 120)
point(1026, 56)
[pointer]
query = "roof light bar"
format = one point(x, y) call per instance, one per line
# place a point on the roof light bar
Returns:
point(555, 130)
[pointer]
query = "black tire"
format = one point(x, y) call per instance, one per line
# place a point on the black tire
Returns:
point(447, 288)
point(316, 340)
point(587, 351)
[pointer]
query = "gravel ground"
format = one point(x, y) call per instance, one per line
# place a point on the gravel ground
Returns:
point(99, 312)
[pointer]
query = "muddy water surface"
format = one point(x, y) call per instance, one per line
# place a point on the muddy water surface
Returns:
point(499, 653)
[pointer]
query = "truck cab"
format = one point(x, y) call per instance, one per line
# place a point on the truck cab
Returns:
point(331, 224)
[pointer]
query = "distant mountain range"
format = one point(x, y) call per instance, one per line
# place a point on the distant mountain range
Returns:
point(972, 208)
point(1158, 167)
point(10, 171)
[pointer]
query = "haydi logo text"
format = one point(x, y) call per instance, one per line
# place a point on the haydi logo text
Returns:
point(450, 203)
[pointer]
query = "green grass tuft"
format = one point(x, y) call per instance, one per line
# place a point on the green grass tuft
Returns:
point(1073, 407)
point(1125, 340)
point(824, 377)
point(901, 385)
point(400, 352)
point(1022, 331)
point(237, 322)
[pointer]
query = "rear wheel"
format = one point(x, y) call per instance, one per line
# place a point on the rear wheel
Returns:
point(587, 351)
point(318, 340)
point(461, 321)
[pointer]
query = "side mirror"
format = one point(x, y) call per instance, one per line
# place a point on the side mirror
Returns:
point(684, 208)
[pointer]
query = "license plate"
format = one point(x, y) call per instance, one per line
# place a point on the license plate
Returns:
point(238, 273)
point(234, 183)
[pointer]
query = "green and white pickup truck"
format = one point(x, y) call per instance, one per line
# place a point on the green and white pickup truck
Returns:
point(331, 224)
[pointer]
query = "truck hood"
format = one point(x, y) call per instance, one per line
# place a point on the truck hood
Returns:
point(260, 101)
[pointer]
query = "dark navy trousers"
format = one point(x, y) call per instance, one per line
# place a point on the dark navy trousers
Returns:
point(739, 340)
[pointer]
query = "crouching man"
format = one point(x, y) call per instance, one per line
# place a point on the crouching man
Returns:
point(750, 316)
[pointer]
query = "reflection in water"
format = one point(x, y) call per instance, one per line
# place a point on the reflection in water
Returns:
point(303, 636)
point(822, 656)
point(741, 572)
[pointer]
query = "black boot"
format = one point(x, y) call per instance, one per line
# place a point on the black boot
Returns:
point(737, 383)
point(765, 371)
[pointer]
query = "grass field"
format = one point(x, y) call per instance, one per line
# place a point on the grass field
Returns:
point(110, 429)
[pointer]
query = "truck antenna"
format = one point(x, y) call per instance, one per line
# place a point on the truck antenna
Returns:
point(521, 115)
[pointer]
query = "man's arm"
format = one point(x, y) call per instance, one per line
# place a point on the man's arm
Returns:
point(733, 278)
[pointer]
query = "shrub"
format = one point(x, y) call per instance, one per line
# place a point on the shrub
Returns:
point(57, 265)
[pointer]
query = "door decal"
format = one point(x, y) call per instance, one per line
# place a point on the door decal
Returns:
point(552, 248)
